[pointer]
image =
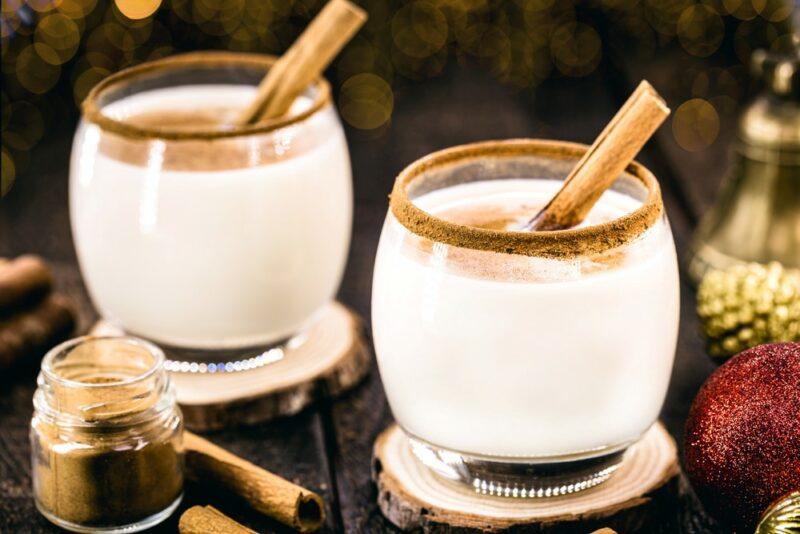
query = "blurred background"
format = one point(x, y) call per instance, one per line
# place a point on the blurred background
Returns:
point(54, 51)
point(420, 76)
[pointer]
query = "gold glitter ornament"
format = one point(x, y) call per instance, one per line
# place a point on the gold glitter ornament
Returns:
point(783, 517)
point(747, 305)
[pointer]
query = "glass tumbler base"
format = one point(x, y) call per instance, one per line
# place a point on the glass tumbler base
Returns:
point(143, 524)
point(520, 478)
point(225, 360)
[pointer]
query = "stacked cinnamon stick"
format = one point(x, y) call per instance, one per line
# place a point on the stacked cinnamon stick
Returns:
point(32, 317)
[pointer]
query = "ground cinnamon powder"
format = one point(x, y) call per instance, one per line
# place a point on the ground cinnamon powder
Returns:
point(102, 485)
point(106, 435)
point(513, 157)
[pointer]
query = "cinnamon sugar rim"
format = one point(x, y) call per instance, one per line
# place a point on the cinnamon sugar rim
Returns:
point(93, 112)
point(562, 244)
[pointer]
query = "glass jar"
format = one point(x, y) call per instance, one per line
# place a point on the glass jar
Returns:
point(208, 238)
point(106, 436)
point(522, 363)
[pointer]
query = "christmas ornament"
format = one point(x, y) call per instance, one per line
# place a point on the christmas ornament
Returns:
point(783, 517)
point(757, 212)
point(747, 305)
point(742, 444)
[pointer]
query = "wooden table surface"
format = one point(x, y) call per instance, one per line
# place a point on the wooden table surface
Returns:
point(327, 447)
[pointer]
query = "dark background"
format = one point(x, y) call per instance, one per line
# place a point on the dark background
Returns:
point(420, 77)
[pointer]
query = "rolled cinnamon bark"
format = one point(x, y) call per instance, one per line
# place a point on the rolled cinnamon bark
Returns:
point(268, 493)
point(330, 30)
point(209, 520)
point(22, 280)
point(609, 155)
point(35, 328)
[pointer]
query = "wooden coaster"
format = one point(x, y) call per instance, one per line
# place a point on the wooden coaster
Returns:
point(333, 359)
point(413, 498)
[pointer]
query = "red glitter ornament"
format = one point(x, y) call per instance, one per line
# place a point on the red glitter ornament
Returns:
point(742, 447)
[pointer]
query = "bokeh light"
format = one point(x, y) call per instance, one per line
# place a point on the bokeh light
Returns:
point(7, 172)
point(751, 35)
point(76, 9)
point(663, 15)
point(42, 6)
point(361, 55)
point(55, 51)
point(741, 9)
point(695, 124)
point(495, 49)
point(56, 38)
point(419, 29)
point(774, 10)
point(366, 101)
point(137, 9)
point(700, 30)
point(86, 80)
point(576, 49)
point(34, 73)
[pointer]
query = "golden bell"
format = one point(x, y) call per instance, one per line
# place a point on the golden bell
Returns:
point(783, 517)
point(756, 217)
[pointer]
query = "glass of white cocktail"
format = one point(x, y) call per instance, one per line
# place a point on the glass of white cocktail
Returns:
point(522, 363)
point(212, 240)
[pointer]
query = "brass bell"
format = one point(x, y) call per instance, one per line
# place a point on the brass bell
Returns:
point(783, 517)
point(756, 217)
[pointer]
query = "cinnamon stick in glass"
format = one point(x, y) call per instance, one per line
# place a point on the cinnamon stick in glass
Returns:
point(606, 159)
point(305, 60)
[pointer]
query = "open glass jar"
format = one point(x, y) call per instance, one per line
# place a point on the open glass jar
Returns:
point(522, 363)
point(106, 436)
point(215, 241)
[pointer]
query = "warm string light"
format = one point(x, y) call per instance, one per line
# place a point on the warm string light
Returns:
point(695, 124)
point(49, 44)
point(137, 9)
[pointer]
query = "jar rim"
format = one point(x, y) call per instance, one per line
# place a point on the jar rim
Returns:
point(62, 348)
point(92, 111)
point(558, 244)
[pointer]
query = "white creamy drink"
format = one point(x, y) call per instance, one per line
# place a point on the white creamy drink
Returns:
point(221, 243)
point(508, 355)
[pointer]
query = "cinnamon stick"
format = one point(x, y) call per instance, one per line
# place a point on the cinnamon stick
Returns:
point(36, 328)
point(268, 493)
point(305, 60)
point(22, 279)
point(606, 159)
point(209, 520)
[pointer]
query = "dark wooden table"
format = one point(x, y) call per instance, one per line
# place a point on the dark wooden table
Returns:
point(327, 447)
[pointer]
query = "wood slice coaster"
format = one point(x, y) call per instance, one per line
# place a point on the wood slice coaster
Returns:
point(643, 488)
point(333, 358)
